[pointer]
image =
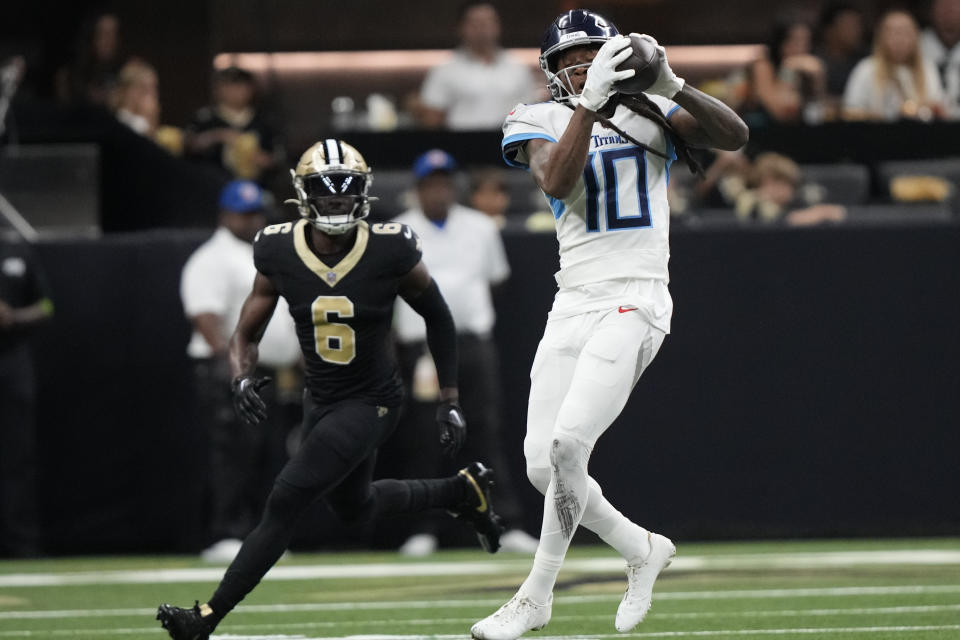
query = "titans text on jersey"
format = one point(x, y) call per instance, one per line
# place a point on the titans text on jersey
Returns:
point(342, 311)
point(623, 188)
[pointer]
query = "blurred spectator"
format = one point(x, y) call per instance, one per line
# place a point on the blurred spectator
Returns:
point(842, 44)
point(489, 195)
point(789, 84)
point(233, 133)
point(482, 83)
point(940, 44)
point(135, 99)
point(92, 75)
point(895, 81)
point(215, 282)
point(774, 195)
point(464, 253)
point(24, 304)
point(136, 103)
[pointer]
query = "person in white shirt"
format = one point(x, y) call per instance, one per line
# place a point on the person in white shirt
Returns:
point(214, 283)
point(896, 81)
point(464, 252)
point(480, 84)
point(940, 44)
point(602, 160)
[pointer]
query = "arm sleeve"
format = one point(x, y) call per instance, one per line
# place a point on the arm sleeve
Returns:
point(441, 332)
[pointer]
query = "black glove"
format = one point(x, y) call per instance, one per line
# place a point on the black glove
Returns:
point(246, 401)
point(453, 428)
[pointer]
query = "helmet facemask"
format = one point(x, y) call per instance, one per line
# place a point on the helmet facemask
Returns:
point(560, 82)
point(331, 182)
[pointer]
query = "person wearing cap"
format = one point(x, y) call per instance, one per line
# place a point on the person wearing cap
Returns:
point(463, 250)
point(233, 133)
point(214, 283)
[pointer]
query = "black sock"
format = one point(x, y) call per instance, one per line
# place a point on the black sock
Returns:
point(408, 496)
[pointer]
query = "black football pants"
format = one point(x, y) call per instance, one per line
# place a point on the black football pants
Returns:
point(335, 462)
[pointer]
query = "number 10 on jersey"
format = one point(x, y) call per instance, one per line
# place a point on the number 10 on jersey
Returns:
point(624, 173)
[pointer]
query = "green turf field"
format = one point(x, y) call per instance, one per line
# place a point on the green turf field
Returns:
point(855, 590)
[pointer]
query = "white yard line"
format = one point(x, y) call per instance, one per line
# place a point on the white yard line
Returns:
point(835, 559)
point(601, 636)
point(482, 602)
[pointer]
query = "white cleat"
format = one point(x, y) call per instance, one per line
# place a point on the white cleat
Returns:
point(513, 619)
point(640, 578)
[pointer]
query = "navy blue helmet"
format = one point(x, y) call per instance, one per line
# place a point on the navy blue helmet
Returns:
point(572, 29)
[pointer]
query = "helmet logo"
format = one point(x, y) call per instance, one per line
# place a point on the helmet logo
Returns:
point(573, 35)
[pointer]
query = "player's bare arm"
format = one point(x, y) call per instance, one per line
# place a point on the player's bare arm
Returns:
point(704, 121)
point(420, 291)
point(556, 166)
point(254, 316)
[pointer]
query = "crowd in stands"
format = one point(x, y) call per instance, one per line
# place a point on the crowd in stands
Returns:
point(848, 65)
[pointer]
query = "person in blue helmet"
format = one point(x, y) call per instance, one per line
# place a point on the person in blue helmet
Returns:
point(602, 160)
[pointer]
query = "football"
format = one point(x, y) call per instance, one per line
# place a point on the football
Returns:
point(644, 60)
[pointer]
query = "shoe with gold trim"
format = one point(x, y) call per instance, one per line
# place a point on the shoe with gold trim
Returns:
point(184, 624)
point(477, 508)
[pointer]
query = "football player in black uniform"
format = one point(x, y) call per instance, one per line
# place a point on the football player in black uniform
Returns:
point(340, 278)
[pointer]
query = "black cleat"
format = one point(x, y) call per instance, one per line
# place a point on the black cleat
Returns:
point(184, 624)
point(477, 509)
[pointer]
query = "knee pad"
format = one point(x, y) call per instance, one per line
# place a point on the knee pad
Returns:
point(539, 477)
point(568, 454)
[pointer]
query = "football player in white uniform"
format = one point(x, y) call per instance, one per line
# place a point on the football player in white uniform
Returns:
point(602, 160)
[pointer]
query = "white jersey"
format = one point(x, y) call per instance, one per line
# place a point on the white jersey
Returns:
point(615, 223)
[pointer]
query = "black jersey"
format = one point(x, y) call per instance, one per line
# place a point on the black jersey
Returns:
point(342, 313)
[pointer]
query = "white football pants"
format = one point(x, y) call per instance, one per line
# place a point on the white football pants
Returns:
point(583, 373)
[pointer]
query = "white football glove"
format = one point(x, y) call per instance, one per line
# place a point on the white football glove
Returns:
point(667, 83)
point(603, 72)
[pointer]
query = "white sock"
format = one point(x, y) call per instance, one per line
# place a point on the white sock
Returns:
point(628, 539)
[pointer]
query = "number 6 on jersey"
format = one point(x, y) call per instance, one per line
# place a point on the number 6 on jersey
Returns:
point(335, 341)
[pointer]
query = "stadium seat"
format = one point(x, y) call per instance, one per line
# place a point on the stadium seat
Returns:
point(946, 168)
point(899, 214)
point(840, 183)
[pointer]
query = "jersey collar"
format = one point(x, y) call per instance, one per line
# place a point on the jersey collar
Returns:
point(331, 275)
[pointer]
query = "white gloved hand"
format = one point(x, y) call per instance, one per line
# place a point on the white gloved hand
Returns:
point(667, 83)
point(603, 72)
